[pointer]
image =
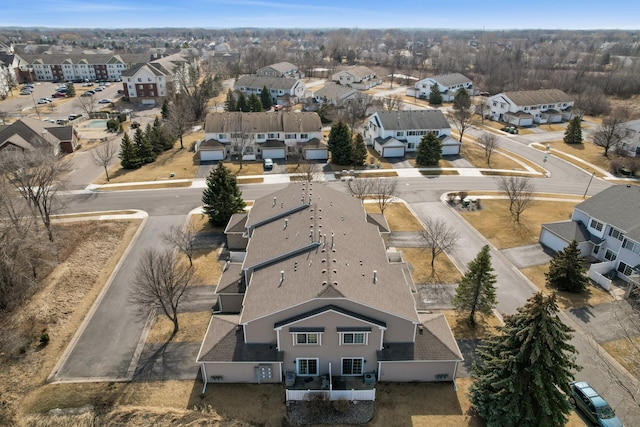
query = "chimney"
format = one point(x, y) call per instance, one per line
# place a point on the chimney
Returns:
point(286, 223)
point(375, 276)
point(281, 276)
point(274, 201)
point(332, 240)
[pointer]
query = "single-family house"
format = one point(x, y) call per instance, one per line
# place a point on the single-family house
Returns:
point(448, 84)
point(357, 76)
point(631, 139)
point(333, 94)
point(313, 299)
point(267, 135)
point(393, 133)
point(606, 227)
point(28, 134)
point(526, 107)
point(149, 82)
point(284, 91)
point(281, 69)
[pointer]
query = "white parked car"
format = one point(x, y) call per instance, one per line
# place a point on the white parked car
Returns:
point(44, 100)
point(104, 101)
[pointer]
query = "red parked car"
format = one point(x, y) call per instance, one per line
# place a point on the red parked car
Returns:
point(58, 95)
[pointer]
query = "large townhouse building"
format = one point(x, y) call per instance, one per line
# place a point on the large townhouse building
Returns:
point(28, 134)
point(607, 228)
point(312, 298)
point(394, 133)
point(150, 82)
point(358, 77)
point(284, 91)
point(267, 135)
point(448, 84)
point(526, 107)
point(280, 69)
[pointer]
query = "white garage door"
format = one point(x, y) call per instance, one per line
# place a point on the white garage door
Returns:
point(273, 153)
point(209, 155)
point(450, 150)
point(316, 154)
point(393, 152)
point(149, 101)
point(552, 241)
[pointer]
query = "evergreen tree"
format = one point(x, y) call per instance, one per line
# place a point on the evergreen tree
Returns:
point(429, 150)
point(71, 90)
point(523, 374)
point(573, 133)
point(359, 154)
point(230, 103)
point(241, 103)
point(476, 293)
point(435, 96)
point(222, 197)
point(340, 143)
point(265, 97)
point(164, 111)
point(143, 147)
point(566, 272)
point(129, 158)
point(255, 104)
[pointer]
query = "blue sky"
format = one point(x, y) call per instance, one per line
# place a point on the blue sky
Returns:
point(457, 14)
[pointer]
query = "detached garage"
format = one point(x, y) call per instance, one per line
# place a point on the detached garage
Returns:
point(274, 150)
point(315, 150)
point(389, 147)
point(210, 150)
point(450, 146)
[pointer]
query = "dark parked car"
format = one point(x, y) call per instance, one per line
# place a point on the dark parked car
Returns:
point(593, 405)
point(135, 125)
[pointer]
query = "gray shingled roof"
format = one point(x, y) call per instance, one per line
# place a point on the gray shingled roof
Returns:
point(538, 97)
point(333, 91)
point(410, 119)
point(27, 133)
point(231, 280)
point(434, 342)
point(258, 82)
point(75, 58)
point(570, 231)
point(619, 206)
point(347, 266)
point(451, 79)
point(359, 71)
point(281, 67)
point(265, 122)
point(224, 342)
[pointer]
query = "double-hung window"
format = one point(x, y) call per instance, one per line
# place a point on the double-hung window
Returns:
point(354, 335)
point(306, 335)
point(596, 224)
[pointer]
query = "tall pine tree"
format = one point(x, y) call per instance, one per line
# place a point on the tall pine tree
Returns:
point(435, 96)
point(144, 147)
point(222, 196)
point(242, 104)
point(566, 272)
point(230, 103)
point(359, 154)
point(429, 150)
point(522, 375)
point(265, 97)
point(255, 104)
point(573, 133)
point(340, 143)
point(129, 158)
point(476, 293)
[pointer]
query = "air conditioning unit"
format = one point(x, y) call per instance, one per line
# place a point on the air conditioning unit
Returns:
point(370, 378)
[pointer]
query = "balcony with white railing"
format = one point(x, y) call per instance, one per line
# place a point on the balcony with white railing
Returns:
point(333, 388)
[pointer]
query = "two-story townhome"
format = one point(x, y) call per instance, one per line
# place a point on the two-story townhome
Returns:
point(312, 298)
point(284, 91)
point(149, 83)
point(267, 135)
point(280, 69)
point(28, 134)
point(357, 76)
point(333, 94)
point(631, 138)
point(526, 107)
point(448, 84)
point(606, 227)
point(393, 133)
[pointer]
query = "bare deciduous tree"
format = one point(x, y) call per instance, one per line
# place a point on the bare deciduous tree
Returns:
point(519, 190)
point(183, 239)
point(489, 142)
point(160, 284)
point(103, 155)
point(359, 187)
point(310, 171)
point(384, 190)
point(393, 103)
point(86, 104)
point(179, 118)
point(439, 237)
point(610, 133)
point(462, 111)
point(37, 176)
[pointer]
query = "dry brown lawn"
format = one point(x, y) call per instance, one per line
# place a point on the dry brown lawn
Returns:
point(627, 352)
point(182, 163)
point(475, 155)
point(494, 221)
point(439, 172)
point(419, 260)
point(398, 216)
point(208, 267)
point(485, 326)
point(586, 151)
point(192, 326)
point(567, 300)
point(248, 168)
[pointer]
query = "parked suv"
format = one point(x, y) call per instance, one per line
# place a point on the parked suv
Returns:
point(593, 405)
point(268, 164)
